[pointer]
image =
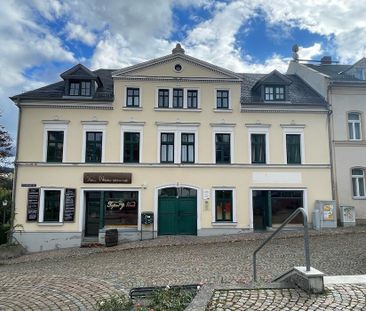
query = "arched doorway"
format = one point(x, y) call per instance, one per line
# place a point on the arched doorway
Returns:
point(177, 211)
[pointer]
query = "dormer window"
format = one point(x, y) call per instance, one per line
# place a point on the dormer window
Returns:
point(80, 88)
point(274, 93)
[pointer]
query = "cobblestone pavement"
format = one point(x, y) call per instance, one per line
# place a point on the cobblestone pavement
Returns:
point(336, 297)
point(74, 279)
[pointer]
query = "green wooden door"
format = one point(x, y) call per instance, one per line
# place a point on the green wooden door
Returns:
point(92, 215)
point(177, 216)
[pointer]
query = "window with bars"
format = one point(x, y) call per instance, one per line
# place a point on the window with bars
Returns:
point(354, 125)
point(177, 98)
point(223, 205)
point(223, 148)
point(133, 97)
point(192, 99)
point(51, 205)
point(55, 145)
point(163, 98)
point(187, 148)
point(131, 147)
point(274, 93)
point(222, 99)
point(258, 148)
point(358, 182)
point(293, 148)
point(167, 148)
point(80, 88)
point(93, 148)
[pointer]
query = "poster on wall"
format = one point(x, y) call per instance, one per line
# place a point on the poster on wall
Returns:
point(70, 203)
point(328, 212)
point(32, 204)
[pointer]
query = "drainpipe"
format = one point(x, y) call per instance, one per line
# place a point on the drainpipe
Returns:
point(13, 195)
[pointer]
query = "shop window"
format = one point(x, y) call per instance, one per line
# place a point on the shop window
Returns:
point(293, 148)
point(51, 205)
point(358, 182)
point(167, 148)
point(223, 205)
point(133, 97)
point(354, 126)
point(55, 144)
point(121, 208)
point(93, 148)
point(258, 148)
point(187, 151)
point(223, 148)
point(131, 147)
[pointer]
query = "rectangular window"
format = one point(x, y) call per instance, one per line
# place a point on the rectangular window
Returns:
point(258, 144)
point(80, 88)
point(163, 98)
point(55, 145)
point(167, 148)
point(223, 148)
point(131, 147)
point(354, 126)
point(187, 152)
point(177, 98)
point(51, 209)
point(93, 148)
point(224, 205)
point(293, 148)
point(274, 93)
point(121, 208)
point(358, 182)
point(133, 97)
point(192, 99)
point(222, 99)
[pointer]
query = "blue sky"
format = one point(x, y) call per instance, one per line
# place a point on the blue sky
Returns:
point(42, 38)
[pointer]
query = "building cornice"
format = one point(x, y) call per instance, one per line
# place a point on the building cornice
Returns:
point(177, 79)
point(63, 105)
point(284, 110)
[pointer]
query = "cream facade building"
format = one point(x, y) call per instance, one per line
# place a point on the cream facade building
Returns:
point(344, 88)
point(205, 150)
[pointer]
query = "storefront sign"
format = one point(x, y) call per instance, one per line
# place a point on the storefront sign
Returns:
point(107, 178)
point(70, 200)
point(32, 204)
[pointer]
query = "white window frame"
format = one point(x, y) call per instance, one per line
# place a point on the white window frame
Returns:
point(125, 97)
point(94, 127)
point(230, 108)
point(185, 98)
point(298, 130)
point(177, 130)
point(260, 129)
point(50, 126)
point(357, 177)
point(213, 207)
point(41, 206)
point(132, 128)
point(353, 122)
point(223, 129)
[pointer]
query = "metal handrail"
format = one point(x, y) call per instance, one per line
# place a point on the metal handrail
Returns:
point(306, 240)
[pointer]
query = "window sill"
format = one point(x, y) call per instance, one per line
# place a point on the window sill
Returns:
point(132, 108)
point(359, 198)
point(223, 110)
point(178, 109)
point(50, 223)
point(224, 224)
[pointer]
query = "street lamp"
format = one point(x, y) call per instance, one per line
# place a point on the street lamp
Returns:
point(5, 204)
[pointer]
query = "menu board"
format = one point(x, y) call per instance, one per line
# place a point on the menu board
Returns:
point(69, 208)
point(32, 204)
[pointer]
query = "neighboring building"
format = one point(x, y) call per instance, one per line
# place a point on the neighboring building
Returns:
point(344, 88)
point(207, 150)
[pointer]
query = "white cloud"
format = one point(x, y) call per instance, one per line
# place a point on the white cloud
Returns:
point(78, 32)
point(310, 52)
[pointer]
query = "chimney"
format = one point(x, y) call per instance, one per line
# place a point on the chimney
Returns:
point(326, 60)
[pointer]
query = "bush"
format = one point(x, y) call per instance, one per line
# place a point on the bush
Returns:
point(4, 233)
point(115, 303)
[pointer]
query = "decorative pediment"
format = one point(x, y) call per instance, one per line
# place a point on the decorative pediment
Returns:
point(273, 78)
point(177, 65)
point(80, 72)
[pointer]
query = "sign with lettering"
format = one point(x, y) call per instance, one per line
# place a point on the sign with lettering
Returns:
point(70, 204)
point(32, 204)
point(107, 178)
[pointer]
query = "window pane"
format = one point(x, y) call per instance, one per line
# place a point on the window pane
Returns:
point(293, 148)
point(224, 207)
point(361, 187)
point(258, 148)
point(121, 207)
point(350, 130)
point(167, 147)
point(357, 171)
point(93, 150)
point(354, 187)
point(163, 100)
point(52, 205)
point(357, 131)
point(55, 144)
point(223, 148)
point(133, 97)
point(131, 147)
point(354, 116)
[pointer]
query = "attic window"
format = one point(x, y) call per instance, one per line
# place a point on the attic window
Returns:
point(274, 93)
point(178, 67)
point(80, 88)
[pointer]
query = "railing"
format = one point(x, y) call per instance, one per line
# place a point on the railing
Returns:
point(306, 240)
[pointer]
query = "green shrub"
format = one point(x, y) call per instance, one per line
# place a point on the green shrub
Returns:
point(4, 233)
point(115, 303)
point(171, 299)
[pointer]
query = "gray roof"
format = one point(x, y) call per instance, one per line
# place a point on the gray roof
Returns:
point(56, 90)
point(335, 72)
point(299, 92)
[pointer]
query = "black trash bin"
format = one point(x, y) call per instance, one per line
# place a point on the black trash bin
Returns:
point(111, 237)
